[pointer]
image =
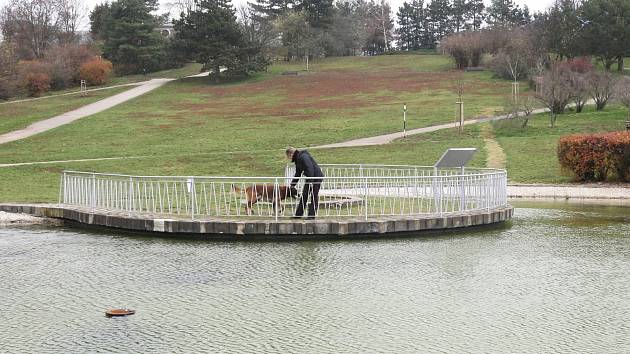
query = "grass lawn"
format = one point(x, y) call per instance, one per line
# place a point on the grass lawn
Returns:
point(18, 115)
point(192, 127)
point(531, 152)
point(339, 99)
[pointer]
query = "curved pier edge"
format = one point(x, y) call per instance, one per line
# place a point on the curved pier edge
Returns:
point(241, 229)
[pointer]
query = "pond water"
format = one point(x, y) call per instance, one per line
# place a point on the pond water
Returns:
point(556, 279)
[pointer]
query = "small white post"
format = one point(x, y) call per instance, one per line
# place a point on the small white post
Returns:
point(404, 120)
point(515, 91)
point(83, 88)
point(460, 114)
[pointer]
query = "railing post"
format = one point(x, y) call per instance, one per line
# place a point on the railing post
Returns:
point(62, 188)
point(276, 196)
point(365, 197)
point(129, 192)
point(93, 193)
point(462, 201)
point(193, 198)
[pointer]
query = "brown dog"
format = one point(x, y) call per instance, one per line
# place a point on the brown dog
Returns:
point(265, 193)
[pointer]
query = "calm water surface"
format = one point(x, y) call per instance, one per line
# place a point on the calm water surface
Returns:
point(557, 280)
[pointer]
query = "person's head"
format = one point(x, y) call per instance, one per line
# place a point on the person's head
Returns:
point(290, 151)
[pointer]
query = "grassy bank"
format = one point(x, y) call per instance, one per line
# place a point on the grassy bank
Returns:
point(18, 115)
point(192, 127)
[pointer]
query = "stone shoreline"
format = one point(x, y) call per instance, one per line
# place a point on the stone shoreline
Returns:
point(8, 218)
point(243, 229)
point(569, 191)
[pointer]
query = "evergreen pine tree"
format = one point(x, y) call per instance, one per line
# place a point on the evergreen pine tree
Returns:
point(440, 13)
point(459, 10)
point(130, 39)
point(319, 13)
point(271, 9)
point(475, 15)
point(405, 30)
point(504, 13)
point(209, 34)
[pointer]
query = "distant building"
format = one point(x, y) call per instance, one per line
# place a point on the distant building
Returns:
point(166, 30)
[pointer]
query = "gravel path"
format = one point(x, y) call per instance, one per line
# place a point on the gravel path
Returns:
point(587, 191)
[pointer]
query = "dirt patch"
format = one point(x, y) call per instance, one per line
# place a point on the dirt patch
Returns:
point(496, 156)
point(330, 90)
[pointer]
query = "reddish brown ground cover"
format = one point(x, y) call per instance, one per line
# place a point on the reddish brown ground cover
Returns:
point(299, 97)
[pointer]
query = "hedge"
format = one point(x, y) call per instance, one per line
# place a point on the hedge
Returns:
point(596, 157)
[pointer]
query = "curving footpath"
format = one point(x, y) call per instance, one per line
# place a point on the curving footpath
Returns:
point(388, 138)
point(88, 110)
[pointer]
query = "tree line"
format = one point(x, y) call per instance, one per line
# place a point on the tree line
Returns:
point(42, 37)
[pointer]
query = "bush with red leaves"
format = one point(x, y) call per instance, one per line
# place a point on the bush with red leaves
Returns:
point(96, 71)
point(596, 157)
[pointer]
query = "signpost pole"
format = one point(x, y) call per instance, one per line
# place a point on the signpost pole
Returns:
point(404, 120)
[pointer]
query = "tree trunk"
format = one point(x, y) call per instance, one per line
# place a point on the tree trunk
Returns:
point(608, 63)
point(384, 28)
point(217, 72)
point(620, 63)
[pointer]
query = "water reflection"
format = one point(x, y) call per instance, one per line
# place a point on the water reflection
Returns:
point(556, 280)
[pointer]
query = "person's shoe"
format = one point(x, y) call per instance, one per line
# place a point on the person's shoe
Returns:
point(310, 218)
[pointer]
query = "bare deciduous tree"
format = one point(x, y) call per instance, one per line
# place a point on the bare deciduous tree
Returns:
point(601, 87)
point(257, 31)
point(622, 92)
point(71, 14)
point(580, 90)
point(34, 25)
point(556, 91)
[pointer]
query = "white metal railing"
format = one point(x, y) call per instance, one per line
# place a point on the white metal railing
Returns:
point(347, 191)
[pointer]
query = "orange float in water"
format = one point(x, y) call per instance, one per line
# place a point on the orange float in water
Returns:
point(119, 312)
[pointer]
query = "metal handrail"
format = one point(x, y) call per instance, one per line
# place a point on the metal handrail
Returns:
point(346, 191)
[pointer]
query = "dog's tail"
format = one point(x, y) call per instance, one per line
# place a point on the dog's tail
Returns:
point(235, 188)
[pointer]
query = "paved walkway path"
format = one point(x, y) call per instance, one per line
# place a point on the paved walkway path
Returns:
point(88, 110)
point(73, 93)
point(388, 138)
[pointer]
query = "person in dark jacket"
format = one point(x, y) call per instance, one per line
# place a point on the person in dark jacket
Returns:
point(306, 166)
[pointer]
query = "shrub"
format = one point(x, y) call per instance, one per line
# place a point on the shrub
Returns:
point(34, 76)
point(465, 48)
point(37, 83)
point(580, 65)
point(594, 157)
point(96, 71)
point(8, 70)
point(7, 88)
point(65, 61)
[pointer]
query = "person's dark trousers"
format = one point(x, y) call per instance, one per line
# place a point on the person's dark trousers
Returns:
point(310, 196)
